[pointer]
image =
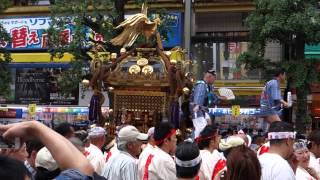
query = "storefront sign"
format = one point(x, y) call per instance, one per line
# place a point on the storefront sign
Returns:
point(39, 86)
point(10, 113)
point(26, 32)
point(175, 30)
point(228, 111)
point(30, 32)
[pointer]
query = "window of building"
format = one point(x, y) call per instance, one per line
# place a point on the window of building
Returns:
point(220, 51)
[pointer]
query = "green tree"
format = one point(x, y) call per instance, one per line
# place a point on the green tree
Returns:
point(292, 23)
point(5, 57)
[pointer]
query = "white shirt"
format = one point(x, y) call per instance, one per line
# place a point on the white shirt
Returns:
point(314, 163)
point(274, 167)
point(143, 159)
point(111, 153)
point(162, 166)
point(209, 161)
point(96, 158)
point(122, 166)
point(302, 174)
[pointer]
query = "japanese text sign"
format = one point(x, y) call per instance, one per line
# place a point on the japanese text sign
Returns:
point(30, 33)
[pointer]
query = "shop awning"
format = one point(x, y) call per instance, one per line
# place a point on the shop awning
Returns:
point(39, 65)
point(312, 51)
point(41, 57)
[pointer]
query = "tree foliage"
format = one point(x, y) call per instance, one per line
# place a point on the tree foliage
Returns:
point(292, 23)
point(5, 57)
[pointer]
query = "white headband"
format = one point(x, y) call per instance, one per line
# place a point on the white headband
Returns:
point(190, 163)
point(281, 135)
point(300, 144)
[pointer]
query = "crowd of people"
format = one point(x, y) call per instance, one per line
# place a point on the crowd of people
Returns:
point(208, 154)
point(63, 153)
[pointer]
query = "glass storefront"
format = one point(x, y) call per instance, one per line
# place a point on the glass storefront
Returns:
point(222, 57)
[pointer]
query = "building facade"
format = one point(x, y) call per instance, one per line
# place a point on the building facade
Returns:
point(218, 35)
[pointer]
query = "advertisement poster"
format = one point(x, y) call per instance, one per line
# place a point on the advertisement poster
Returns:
point(26, 33)
point(30, 32)
point(39, 86)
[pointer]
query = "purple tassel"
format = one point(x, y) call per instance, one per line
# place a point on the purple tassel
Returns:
point(174, 114)
point(93, 108)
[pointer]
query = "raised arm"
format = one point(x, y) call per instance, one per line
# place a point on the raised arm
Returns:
point(66, 155)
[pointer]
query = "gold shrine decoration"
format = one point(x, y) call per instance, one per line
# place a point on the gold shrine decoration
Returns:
point(147, 69)
point(134, 69)
point(133, 26)
point(142, 61)
point(140, 100)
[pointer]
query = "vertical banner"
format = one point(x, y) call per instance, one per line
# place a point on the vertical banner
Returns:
point(32, 109)
point(235, 110)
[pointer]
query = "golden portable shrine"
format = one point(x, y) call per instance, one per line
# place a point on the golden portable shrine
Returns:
point(144, 83)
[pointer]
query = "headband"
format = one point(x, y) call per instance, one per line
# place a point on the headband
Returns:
point(172, 132)
point(201, 138)
point(281, 135)
point(211, 72)
point(301, 144)
point(190, 163)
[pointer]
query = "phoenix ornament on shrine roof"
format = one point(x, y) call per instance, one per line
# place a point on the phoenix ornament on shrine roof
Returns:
point(135, 25)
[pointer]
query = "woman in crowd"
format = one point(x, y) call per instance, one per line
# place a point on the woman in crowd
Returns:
point(303, 172)
point(242, 164)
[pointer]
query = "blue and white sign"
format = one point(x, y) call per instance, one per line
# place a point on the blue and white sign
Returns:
point(175, 30)
point(228, 111)
point(26, 32)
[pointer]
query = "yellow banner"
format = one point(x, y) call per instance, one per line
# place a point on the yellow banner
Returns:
point(235, 110)
point(45, 57)
point(32, 109)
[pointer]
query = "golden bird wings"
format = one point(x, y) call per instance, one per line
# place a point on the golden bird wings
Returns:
point(133, 26)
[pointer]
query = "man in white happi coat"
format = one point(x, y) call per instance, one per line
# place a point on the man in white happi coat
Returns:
point(213, 162)
point(162, 165)
point(93, 152)
point(143, 158)
point(274, 163)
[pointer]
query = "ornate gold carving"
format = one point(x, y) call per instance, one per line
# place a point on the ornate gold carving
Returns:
point(134, 69)
point(147, 69)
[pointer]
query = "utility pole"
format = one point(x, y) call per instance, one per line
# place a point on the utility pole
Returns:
point(188, 26)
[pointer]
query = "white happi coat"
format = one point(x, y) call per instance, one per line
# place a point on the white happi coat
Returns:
point(96, 158)
point(162, 166)
point(314, 163)
point(208, 164)
point(143, 160)
point(274, 167)
point(302, 174)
